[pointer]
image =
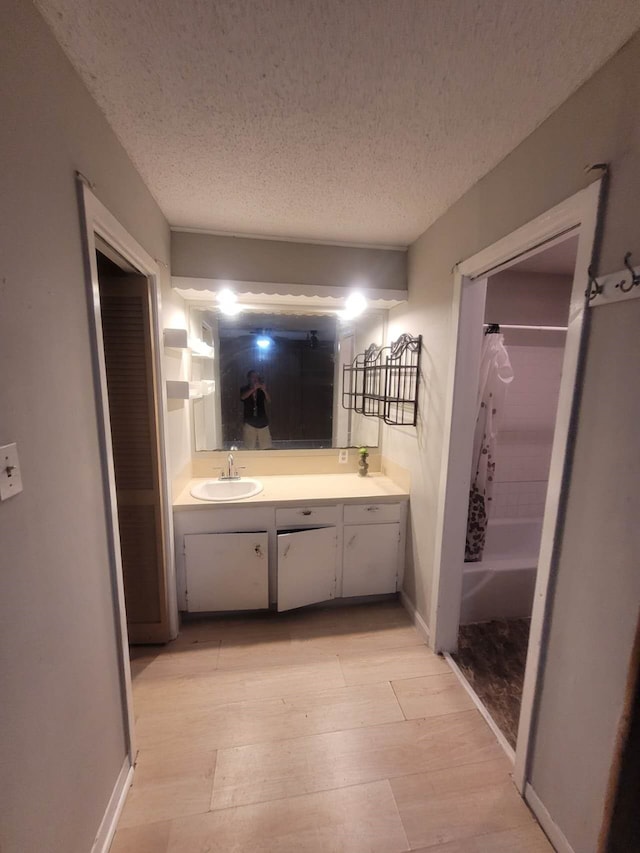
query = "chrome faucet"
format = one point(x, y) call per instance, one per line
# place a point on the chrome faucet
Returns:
point(231, 472)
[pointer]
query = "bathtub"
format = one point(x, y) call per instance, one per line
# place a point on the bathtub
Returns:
point(501, 585)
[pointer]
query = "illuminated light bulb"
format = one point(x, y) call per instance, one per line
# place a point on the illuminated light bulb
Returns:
point(263, 343)
point(355, 304)
point(231, 309)
point(227, 297)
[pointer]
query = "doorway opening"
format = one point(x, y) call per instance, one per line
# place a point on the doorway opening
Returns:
point(115, 263)
point(577, 219)
point(128, 345)
point(525, 325)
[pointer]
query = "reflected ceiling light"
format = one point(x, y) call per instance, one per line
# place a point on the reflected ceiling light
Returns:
point(263, 343)
point(228, 302)
point(231, 310)
point(355, 304)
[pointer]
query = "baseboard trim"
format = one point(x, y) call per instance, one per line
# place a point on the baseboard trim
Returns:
point(551, 829)
point(420, 625)
point(109, 822)
point(504, 743)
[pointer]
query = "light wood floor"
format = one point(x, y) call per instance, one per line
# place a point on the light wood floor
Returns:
point(332, 730)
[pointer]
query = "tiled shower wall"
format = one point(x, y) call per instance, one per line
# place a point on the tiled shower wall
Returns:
point(526, 432)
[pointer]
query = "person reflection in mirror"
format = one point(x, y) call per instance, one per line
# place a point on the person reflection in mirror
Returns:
point(254, 396)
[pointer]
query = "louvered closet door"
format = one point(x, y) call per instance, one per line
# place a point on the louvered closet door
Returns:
point(128, 348)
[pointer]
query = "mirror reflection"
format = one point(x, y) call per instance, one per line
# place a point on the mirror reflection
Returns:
point(265, 380)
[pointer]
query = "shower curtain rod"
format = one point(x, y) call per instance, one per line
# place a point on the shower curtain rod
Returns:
point(531, 328)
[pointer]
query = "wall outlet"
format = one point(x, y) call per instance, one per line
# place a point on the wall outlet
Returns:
point(10, 479)
point(343, 457)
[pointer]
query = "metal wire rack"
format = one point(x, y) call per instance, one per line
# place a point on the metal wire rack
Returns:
point(382, 382)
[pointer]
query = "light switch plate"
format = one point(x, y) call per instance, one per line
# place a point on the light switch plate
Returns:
point(10, 478)
point(343, 457)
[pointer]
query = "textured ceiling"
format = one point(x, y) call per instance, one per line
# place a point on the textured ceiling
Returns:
point(344, 120)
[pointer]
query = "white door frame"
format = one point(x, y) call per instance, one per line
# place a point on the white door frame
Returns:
point(97, 220)
point(577, 215)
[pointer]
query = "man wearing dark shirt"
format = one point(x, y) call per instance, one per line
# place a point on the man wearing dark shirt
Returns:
point(255, 429)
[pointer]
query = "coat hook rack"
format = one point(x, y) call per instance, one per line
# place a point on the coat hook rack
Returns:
point(618, 286)
point(635, 277)
point(594, 287)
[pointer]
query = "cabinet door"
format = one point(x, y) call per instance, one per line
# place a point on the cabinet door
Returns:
point(227, 571)
point(370, 559)
point(306, 567)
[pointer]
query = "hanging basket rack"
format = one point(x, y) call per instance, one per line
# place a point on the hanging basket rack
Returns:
point(382, 382)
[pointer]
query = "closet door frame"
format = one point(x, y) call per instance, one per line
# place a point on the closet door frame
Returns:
point(98, 222)
point(577, 215)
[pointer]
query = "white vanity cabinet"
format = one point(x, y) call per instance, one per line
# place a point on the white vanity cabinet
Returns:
point(226, 571)
point(306, 567)
point(371, 551)
point(370, 559)
point(253, 557)
point(217, 564)
point(307, 554)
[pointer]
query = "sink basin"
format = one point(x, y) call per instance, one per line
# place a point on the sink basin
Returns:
point(226, 490)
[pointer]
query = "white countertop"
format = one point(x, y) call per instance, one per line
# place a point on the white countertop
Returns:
point(304, 489)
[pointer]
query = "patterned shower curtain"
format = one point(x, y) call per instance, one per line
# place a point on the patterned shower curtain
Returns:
point(495, 375)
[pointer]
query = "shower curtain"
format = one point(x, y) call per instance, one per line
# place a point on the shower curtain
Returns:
point(495, 375)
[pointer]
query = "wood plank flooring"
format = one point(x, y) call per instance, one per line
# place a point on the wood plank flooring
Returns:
point(330, 729)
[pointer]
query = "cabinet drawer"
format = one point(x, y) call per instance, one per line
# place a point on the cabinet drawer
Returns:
point(371, 513)
point(306, 515)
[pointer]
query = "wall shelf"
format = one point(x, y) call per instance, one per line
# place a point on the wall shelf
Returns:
point(177, 389)
point(383, 382)
point(175, 338)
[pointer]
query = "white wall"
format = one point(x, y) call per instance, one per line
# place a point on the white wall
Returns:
point(283, 262)
point(537, 299)
point(528, 416)
point(61, 722)
point(525, 434)
point(598, 585)
point(368, 329)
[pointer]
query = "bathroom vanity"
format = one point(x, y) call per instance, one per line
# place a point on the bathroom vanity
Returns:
point(304, 539)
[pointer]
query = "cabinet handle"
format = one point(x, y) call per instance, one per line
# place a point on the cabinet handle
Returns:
point(306, 512)
point(373, 508)
point(352, 540)
point(258, 550)
point(286, 550)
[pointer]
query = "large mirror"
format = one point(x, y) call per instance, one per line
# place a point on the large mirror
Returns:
point(271, 379)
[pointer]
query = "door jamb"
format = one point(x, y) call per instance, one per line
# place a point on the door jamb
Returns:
point(97, 219)
point(579, 212)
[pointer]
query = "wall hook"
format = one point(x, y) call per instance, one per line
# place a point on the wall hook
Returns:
point(635, 277)
point(594, 287)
